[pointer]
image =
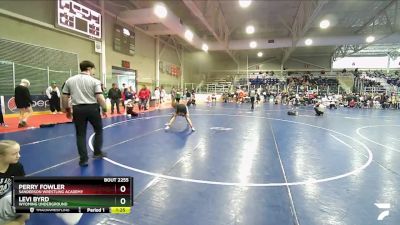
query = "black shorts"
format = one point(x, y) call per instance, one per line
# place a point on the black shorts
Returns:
point(181, 109)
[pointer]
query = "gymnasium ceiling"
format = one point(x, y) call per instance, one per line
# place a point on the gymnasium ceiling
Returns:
point(224, 23)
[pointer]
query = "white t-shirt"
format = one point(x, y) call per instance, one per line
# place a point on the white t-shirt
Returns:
point(157, 94)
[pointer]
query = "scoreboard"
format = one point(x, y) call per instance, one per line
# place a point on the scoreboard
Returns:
point(124, 40)
point(73, 194)
point(79, 18)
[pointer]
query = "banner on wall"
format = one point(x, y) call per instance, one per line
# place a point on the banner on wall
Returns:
point(40, 103)
point(170, 69)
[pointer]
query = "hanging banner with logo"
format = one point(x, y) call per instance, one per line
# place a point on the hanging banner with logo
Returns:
point(40, 103)
point(170, 69)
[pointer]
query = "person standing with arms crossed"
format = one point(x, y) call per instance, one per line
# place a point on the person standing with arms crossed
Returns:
point(114, 94)
point(86, 94)
point(53, 93)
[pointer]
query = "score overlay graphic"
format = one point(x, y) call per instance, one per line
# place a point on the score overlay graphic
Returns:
point(73, 194)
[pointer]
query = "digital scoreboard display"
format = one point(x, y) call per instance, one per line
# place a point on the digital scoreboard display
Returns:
point(124, 40)
point(73, 194)
point(79, 18)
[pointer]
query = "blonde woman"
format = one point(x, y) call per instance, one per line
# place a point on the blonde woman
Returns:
point(9, 166)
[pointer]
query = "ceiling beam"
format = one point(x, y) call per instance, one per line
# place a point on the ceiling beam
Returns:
point(135, 3)
point(135, 28)
point(312, 64)
point(177, 51)
point(306, 15)
point(339, 52)
point(265, 61)
point(223, 27)
point(380, 12)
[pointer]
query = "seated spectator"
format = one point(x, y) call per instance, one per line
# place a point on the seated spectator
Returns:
point(9, 166)
point(319, 109)
point(352, 103)
point(129, 108)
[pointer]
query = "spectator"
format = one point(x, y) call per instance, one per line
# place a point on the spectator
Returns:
point(319, 109)
point(23, 101)
point(157, 96)
point(173, 96)
point(252, 95)
point(2, 124)
point(9, 166)
point(53, 93)
point(144, 95)
point(162, 94)
point(129, 93)
point(114, 94)
point(103, 89)
point(124, 89)
point(178, 96)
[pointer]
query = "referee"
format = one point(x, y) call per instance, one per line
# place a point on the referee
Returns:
point(86, 95)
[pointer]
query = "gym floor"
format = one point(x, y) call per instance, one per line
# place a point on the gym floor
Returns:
point(239, 167)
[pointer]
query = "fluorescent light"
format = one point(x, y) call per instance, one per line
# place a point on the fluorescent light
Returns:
point(250, 29)
point(160, 11)
point(324, 24)
point(204, 47)
point(253, 44)
point(189, 35)
point(244, 3)
point(370, 39)
point(259, 54)
point(308, 42)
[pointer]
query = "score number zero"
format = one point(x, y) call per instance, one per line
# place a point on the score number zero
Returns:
point(121, 188)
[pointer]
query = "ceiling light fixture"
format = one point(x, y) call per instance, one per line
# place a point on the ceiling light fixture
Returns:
point(126, 32)
point(204, 47)
point(324, 24)
point(160, 11)
point(250, 29)
point(308, 42)
point(259, 54)
point(370, 39)
point(253, 44)
point(189, 35)
point(244, 3)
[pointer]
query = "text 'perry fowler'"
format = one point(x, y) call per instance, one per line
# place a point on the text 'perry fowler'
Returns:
point(41, 186)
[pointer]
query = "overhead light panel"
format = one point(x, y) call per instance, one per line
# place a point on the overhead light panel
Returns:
point(253, 44)
point(189, 35)
point(324, 24)
point(250, 29)
point(160, 11)
point(244, 3)
point(308, 42)
point(204, 47)
point(370, 39)
point(126, 32)
point(259, 54)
